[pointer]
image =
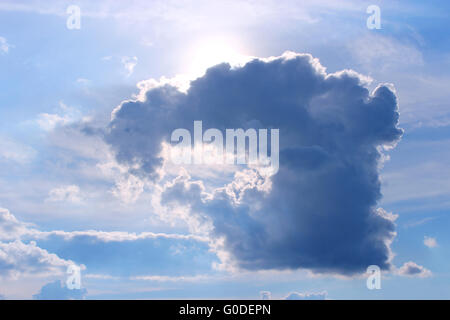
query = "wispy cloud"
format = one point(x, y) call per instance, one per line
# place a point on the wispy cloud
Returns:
point(11, 150)
point(65, 115)
point(129, 63)
point(65, 194)
point(430, 242)
point(4, 45)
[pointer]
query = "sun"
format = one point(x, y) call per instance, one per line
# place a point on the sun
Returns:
point(215, 50)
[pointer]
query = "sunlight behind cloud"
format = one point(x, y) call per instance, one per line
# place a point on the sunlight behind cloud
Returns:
point(211, 51)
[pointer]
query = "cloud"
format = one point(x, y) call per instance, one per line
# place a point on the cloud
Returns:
point(10, 227)
point(320, 210)
point(65, 194)
point(128, 189)
point(57, 291)
point(430, 242)
point(66, 115)
point(129, 63)
point(157, 278)
point(18, 258)
point(13, 229)
point(419, 222)
point(11, 150)
point(375, 51)
point(4, 45)
point(116, 253)
point(307, 296)
point(412, 269)
point(265, 295)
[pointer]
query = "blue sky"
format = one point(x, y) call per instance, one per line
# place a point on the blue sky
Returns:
point(69, 192)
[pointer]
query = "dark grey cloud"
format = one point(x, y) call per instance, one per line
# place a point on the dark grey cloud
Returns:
point(321, 211)
point(57, 291)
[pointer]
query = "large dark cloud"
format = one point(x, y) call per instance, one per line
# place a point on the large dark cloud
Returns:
point(321, 212)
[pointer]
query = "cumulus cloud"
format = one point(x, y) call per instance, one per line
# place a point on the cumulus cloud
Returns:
point(307, 296)
point(320, 210)
point(18, 258)
point(57, 291)
point(430, 242)
point(412, 269)
point(10, 227)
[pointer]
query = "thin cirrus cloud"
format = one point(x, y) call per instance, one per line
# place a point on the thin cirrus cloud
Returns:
point(18, 259)
point(321, 210)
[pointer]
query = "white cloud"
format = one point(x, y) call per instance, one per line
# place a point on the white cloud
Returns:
point(173, 279)
point(4, 45)
point(129, 63)
point(373, 51)
point(83, 81)
point(11, 150)
point(65, 194)
point(13, 229)
point(58, 291)
point(430, 242)
point(128, 189)
point(307, 296)
point(116, 236)
point(10, 227)
point(66, 115)
point(412, 269)
point(18, 258)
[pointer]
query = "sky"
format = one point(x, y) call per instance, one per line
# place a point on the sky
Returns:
point(88, 103)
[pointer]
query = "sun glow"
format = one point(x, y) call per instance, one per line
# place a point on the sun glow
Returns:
point(215, 50)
